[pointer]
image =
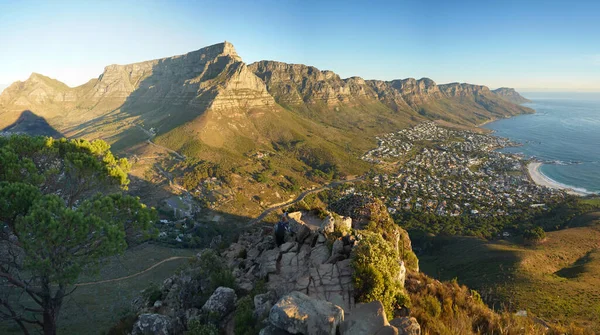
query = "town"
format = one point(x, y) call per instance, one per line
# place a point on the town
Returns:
point(452, 172)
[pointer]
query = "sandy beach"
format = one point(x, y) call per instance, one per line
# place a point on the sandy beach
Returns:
point(539, 178)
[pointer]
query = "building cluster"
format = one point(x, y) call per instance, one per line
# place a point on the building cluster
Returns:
point(453, 172)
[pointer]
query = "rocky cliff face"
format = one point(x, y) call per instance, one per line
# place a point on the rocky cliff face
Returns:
point(511, 95)
point(292, 84)
point(218, 99)
point(152, 92)
point(300, 85)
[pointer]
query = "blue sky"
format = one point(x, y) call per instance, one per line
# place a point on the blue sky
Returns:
point(531, 45)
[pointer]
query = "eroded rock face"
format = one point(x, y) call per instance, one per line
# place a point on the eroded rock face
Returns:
point(305, 264)
point(152, 324)
point(220, 303)
point(298, 313)
point(365, 319)
point(296, 84)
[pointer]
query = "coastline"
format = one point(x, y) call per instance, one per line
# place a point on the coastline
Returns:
point(539, 178)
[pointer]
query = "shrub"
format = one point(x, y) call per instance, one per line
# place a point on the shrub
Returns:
point(152, 294)
point(245, 323)
point(376, 270)
point(198, 328)
point(534, 235)
point(432, 306)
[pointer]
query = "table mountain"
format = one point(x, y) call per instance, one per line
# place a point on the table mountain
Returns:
point(210, 99)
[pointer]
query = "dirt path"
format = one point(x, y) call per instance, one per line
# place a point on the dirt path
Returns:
point(133, 275)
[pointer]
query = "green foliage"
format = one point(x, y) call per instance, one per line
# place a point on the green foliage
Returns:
point(376, 270)
point(198, 328)
point(197, 171)
point(212, 266)
point(52, 202)
point(432, 306)
point(152, 294)
point(245, 323)
point(261, 177)
point(535, 234)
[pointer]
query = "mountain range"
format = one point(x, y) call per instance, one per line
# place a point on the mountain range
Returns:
point(210, 100)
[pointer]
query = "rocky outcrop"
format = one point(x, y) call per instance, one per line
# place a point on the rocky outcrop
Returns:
point(463, 90)
point(365, 319)
point(304, 263)
point(152, 324)
point(294, 84)
point(511, 95)
point(406, 326)
point(220, 303)
point(298, 313)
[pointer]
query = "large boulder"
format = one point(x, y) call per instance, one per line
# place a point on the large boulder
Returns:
point(328, 225)
point(365, 319)
point(407, 326)
point(262, 304)
point(298, 313)
point(298, 227)
point(151, 324)
point(387, 330)
point(220, 303)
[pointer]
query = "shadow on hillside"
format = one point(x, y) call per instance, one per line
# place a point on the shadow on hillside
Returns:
point(203, 226)
point(480, 264)
point(170, 97)
point(32, 124)
point(576, 269)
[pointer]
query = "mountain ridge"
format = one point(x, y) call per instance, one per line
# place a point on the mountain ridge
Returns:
point(213, 97)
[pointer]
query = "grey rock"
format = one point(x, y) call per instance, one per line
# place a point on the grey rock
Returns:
point(272, 330)
point(365, 319)
point(387, 330)
point(191, 315)
point(151, 324)
point(221, 302)
point(298, 313)
point(328, 225)
point(319, 254)
point(407, 326)
point(338, 247)
point(268, 262)
point(262, 304)
point(286, 246)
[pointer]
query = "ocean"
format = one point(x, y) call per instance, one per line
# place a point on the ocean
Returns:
point(564, 133)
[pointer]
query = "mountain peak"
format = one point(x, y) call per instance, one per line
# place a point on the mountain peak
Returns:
point(510, 94)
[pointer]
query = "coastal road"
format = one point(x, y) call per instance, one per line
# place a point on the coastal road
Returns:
point(301, 197)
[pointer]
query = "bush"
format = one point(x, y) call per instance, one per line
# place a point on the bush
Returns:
point(245, 323)
point(432, 306)
point(198, 328)
point(152, 294)
point(376, 270)
point(534, 235)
